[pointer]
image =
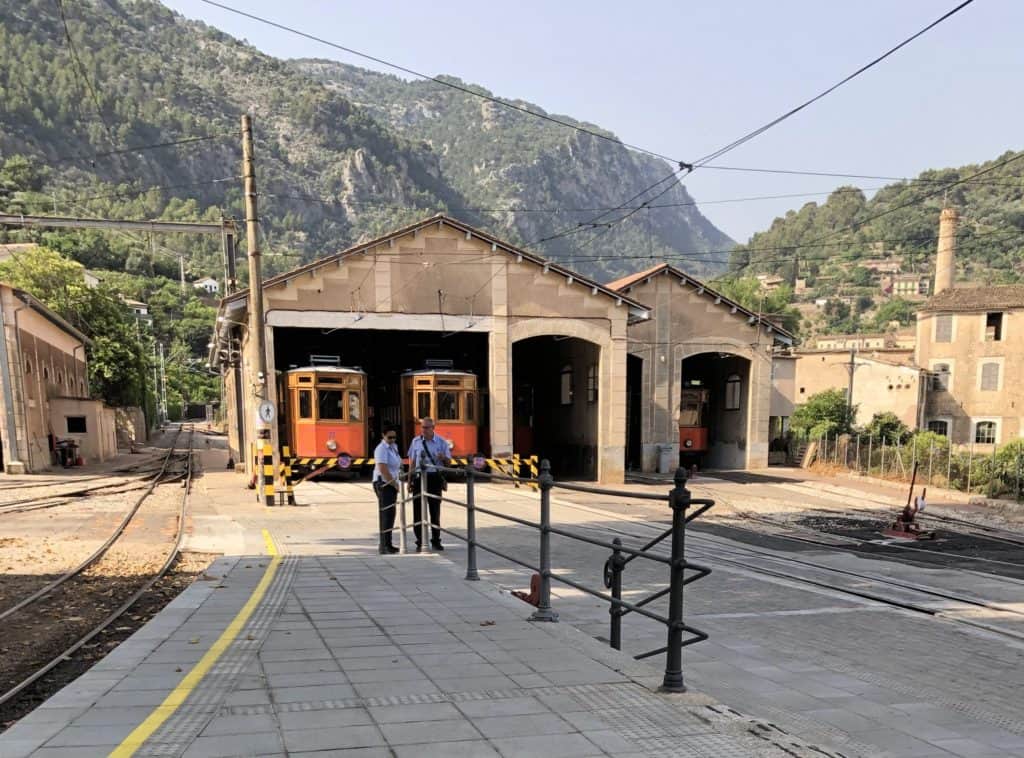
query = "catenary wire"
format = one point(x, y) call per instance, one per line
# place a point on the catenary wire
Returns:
point(437, 80)
point(793, 111)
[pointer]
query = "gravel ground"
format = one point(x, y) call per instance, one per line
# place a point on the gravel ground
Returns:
point(38, 546)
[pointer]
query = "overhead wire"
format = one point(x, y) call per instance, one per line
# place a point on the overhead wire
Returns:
point(793, 111)
point(437, 80)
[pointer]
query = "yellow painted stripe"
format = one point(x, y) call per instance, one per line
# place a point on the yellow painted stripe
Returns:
point(171, 703)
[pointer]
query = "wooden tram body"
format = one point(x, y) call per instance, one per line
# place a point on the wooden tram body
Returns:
point(693, 423)
point(324, 411)
point(449, 397)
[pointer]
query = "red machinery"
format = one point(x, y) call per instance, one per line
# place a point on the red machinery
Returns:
point(324, 411)
point(451, 399)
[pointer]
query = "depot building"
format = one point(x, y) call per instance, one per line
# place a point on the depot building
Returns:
point(549, 363)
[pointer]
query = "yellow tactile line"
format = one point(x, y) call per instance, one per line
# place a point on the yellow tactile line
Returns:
point(179, 694)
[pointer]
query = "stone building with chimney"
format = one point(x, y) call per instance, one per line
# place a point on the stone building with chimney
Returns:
point(970, 340)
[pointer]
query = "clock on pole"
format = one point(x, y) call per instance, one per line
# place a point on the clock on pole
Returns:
point(266, 413)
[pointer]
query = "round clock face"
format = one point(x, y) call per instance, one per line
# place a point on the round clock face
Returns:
point(266, 411)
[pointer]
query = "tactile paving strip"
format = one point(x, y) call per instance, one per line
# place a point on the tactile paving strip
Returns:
point(652, 722)
point(175, 734)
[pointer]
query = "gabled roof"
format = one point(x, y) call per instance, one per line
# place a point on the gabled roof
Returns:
point(625, 283)
point(997, 297)
point(52, 316)
point(640, 310)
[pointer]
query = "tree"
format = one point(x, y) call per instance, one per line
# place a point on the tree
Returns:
point(116, 361)
point(896, 309)
point(887, 426)
point(776, 304)
point(824, 413)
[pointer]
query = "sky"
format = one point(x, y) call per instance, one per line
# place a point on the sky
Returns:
point(683, 78)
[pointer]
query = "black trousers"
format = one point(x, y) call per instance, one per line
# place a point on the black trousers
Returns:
point(387, 496)
point(435, 484)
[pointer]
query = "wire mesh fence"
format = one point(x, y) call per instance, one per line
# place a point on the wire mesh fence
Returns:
point(990, 469)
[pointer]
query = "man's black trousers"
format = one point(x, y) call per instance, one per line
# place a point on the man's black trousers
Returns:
point(387, 496)
point(435, 485)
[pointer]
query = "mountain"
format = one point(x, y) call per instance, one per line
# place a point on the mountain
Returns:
point(825, 243)
point(503, 158)
point(343, 153)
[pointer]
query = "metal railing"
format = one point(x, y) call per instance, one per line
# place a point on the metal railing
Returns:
point(679, 501)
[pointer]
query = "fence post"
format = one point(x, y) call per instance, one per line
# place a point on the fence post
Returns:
point(1016, 488)
point(970, 467)
point(931, 459)
point(871, 440)
point(858, 454)
point(471, 572)
point(679, 501)
point(949, 463)
point(613, 580)
point(992, 491)
point(881, 472)
point(544, 612)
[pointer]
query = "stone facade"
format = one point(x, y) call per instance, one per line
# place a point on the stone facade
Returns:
point(443, 276)
point(971, 342)
point(42, 360)
point(689, 320)
point(879, 384)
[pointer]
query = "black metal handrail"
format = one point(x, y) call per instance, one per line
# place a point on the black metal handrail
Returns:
point(678, 499)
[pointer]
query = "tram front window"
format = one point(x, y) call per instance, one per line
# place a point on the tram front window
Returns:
point(329, 404)
point(355, 408)
point(470, 406)
point(422, 404)
point(689, 413)
point(305, 404)
point(447, 406)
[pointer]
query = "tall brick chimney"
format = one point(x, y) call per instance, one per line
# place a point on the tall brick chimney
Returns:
point(945, 261)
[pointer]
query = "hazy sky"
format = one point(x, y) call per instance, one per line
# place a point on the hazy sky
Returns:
point(683, 78)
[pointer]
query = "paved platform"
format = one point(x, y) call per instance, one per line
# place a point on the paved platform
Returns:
point(351, 653)
point(372, 656)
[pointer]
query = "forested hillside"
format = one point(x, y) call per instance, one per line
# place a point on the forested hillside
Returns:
point(825, 243)
point(338, 160)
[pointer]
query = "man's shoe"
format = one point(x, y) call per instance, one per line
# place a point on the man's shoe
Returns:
point(391, 549)
point(419, 548)
point(437, 546)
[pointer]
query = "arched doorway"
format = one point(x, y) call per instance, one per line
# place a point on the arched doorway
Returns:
point(714, 408)
point(556, 404)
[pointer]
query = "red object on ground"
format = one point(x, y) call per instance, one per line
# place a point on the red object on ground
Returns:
point(534, 597)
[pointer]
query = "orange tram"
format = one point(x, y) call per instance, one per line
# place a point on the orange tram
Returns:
point(325, 415)
point(693, 426)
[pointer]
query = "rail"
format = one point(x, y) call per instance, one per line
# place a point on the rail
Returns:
point(681, 572)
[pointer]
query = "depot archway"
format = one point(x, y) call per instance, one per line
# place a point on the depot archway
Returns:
point(556, 391)
point(715, 397)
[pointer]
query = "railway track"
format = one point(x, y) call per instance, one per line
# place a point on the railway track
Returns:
point(897, 593)
point(64, 583)
point(51, 481)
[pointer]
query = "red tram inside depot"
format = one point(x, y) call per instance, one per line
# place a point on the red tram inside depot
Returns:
point(693, 424)
point(325, 413)
point(451, 399)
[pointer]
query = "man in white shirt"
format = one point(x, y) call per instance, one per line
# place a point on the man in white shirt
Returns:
point(428, 452)
point(387, 466)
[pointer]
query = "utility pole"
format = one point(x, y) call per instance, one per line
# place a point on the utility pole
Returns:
point(181, 270)
point(851, 367)
point(257, 335)
point(163, 386)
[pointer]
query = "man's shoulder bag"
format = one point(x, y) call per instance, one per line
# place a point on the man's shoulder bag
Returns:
point(430, 457)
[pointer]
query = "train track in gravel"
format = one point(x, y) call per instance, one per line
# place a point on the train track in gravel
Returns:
point(51, 500)
point(44, 481)
point(146, 586)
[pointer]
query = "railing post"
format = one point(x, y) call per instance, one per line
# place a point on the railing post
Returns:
point(613, 581)
point(544, 612)
point(679, 501)
point(423, 537)
point(471, 572)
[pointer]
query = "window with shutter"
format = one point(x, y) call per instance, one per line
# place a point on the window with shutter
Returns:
point(939, 427)
point(990, 376)
point(944, 328)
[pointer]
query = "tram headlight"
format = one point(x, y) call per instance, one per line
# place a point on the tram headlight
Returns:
point(688, 443)
point(332, 445)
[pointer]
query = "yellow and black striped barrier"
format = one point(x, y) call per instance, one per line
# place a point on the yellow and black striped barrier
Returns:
point(268, 474)
point(521, 468)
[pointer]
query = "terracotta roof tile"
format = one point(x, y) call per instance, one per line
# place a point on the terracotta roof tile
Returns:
point(999, 297)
